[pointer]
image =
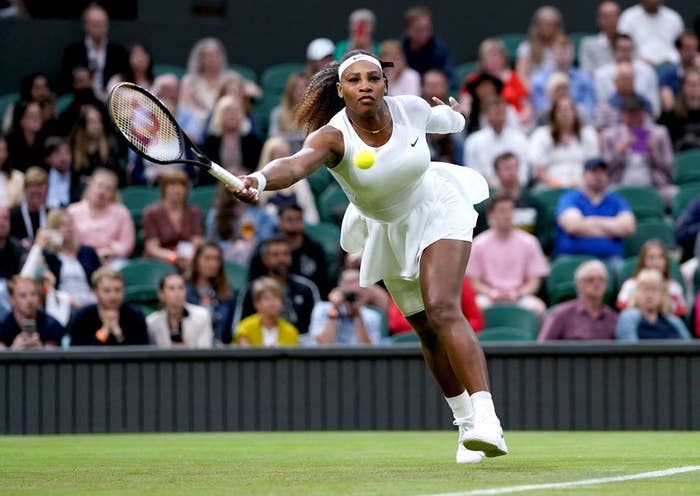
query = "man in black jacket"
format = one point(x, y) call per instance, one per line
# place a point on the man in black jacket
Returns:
point(103, 58)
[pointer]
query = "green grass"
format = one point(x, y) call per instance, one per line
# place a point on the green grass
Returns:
point(335, 463)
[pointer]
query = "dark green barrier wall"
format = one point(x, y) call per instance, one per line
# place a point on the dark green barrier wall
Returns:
point(543, 387)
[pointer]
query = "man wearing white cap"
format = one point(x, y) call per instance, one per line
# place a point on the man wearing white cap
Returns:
point(318, 54)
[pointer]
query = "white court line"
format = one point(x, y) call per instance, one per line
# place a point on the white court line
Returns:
point(584, 482)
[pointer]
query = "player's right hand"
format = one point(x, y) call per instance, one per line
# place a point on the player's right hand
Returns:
point(249, 192)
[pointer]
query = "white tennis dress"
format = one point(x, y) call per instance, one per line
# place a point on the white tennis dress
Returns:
point(404, 202)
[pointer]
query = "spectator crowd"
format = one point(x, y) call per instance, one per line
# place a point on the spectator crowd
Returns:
point(590, 144)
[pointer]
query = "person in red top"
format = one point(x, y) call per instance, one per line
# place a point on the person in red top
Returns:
point(493, 59)
point(398, 323)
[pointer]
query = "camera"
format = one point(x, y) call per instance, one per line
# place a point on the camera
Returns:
point(350, 296)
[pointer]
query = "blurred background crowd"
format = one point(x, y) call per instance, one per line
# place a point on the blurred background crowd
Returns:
point(590, 143)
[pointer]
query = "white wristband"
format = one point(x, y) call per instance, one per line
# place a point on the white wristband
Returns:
point(262, 180)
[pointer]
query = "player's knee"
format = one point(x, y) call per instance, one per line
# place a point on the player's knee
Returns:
point(442, 313)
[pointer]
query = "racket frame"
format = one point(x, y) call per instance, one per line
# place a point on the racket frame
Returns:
point(204, 162)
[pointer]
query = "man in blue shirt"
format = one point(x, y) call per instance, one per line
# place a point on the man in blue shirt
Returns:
point(591, 221)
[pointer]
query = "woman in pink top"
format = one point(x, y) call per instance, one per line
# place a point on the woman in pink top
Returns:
point(102, 222)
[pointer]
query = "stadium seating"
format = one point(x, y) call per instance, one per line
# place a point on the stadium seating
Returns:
point(263, 108)
point(274, 78)
point(332, 204)
point(462, 71)
point(203, 197)
point(686, 168)
point(511, 41)
point(136, 198)
point(512, 316)
point(328, 236)
point(682, 200)
point(319, 181)
point(236, 275)
point(63, 102)
point(160, 69)
point(6, 100)
point(142, 273)
point(549, 198)
point(244, 71)
point(646, 202)
point(648, 230)
point(505, 333)
point(405, 337)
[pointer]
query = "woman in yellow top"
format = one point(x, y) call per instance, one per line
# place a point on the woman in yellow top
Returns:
point(266, 327)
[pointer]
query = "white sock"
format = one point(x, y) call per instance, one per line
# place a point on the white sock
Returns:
point(482, 401)
point(461, 406)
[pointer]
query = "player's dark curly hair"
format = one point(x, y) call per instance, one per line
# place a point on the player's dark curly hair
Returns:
point(321, 101)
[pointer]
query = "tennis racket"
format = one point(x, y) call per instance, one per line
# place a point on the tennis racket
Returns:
point(153, 133)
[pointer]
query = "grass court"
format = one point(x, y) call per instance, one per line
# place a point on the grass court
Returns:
point(342, 463)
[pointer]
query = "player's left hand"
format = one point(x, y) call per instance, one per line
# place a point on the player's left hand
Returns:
point(454, 104)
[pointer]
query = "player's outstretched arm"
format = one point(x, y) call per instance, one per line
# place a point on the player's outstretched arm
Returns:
point(324, 146)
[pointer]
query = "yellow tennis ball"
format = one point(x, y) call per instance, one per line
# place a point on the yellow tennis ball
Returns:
point(364, 159)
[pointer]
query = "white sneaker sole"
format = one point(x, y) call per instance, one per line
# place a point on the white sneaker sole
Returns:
point(466, 457)
point(491, 447)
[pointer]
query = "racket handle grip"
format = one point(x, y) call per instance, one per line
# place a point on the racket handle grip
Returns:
point(225, 176)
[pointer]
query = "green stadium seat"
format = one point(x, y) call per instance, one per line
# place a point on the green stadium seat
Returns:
point(245, 71)
point(63, 102)
point(462, 71)
point(203, 197)
point(236, 275)
point(686, 168)
point(560, 281)
point(320, 180)
point(263, 108)
point(505, 333)
point(143, 296)
point(143, 274)
point(512, 316)
point(645, 202)
point(549, 198)
point(332, 204)
point(328, 236)
point(648, 230)
point(405, 337)
point(512, 41)
point(274, 78)
point(682, 200)
point(136, 198)
point(5, 101)
point(160, 69)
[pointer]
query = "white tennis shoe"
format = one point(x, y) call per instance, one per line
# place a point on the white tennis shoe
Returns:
point(486, 435)
point(464, 455)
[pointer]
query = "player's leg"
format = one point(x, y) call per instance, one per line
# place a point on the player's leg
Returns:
point(442, 268)
point(456, 396)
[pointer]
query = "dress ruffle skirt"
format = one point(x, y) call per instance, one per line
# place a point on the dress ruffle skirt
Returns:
point(439, 206)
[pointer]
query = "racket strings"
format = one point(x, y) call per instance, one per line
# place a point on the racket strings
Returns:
point(145, 125)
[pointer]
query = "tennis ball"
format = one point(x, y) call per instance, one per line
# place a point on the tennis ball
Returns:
point(364, 159)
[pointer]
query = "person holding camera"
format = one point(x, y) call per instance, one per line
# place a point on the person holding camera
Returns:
point(28, 327)
point(344, 318)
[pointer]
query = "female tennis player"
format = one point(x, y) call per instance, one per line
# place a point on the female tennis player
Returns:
point(413, 218)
